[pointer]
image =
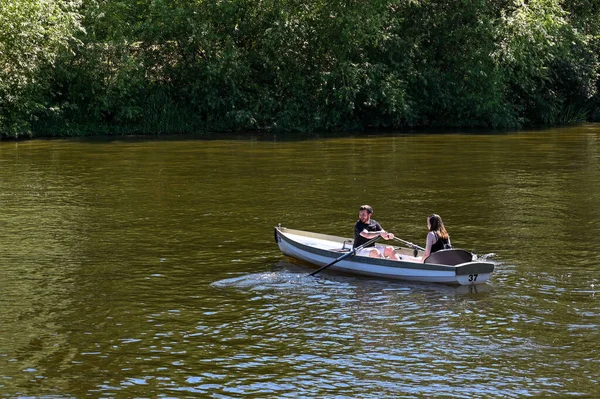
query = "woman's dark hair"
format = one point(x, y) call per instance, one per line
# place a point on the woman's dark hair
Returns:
point(437, 226)
point(366, 208)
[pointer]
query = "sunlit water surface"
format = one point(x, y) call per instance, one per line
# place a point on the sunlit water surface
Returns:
point(147, 268)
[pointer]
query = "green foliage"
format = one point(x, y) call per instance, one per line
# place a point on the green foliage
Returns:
point(32, 32)
point(453, 80)
point(541, 54)
point(158, 66)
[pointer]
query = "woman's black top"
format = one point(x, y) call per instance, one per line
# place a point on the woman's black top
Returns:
point(441, 243)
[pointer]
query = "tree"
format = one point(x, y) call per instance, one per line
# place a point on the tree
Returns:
point(32, 32)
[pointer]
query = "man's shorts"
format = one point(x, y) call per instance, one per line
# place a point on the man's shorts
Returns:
point(367, 251)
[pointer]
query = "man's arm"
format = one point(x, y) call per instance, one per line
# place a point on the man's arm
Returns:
point(372, 234)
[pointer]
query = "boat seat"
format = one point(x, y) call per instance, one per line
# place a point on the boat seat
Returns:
point(451, 257)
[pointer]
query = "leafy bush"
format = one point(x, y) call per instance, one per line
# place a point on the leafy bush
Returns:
point(160, 67)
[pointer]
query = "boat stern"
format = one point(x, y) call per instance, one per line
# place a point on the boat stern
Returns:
point(472, 273)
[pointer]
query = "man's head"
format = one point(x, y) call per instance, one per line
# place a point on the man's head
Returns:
point(364, 213)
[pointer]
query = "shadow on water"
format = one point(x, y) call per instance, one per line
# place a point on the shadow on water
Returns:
point(282, 137)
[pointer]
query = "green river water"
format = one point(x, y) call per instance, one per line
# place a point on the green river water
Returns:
point(146, 268)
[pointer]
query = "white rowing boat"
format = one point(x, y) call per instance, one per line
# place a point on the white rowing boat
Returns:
point(450, 266)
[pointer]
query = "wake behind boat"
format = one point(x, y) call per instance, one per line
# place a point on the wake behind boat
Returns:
point(449, 266)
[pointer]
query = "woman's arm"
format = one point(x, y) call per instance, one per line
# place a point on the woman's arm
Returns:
point(428, 245)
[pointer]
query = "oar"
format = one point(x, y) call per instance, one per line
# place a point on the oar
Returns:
point(414, 246)
point(410, 244)
point(344, 256)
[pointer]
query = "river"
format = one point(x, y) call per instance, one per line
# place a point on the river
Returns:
point(146, 267)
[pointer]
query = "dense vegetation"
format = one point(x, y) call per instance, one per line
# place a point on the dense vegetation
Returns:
point(73, 67)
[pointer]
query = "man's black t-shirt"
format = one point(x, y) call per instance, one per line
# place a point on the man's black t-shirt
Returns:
point(359, 227)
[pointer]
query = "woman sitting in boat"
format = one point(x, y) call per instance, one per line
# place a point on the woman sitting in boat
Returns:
point(437, 238)
point(366, 229)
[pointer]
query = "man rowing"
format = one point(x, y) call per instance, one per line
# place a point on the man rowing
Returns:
point(366, 229)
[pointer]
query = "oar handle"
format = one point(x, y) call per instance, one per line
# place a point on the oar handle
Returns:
point(410, 244)
point(366, 244)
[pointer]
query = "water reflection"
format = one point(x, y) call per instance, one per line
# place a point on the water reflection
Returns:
point(359, 330)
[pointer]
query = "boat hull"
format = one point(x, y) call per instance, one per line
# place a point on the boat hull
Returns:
point(320, 249)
